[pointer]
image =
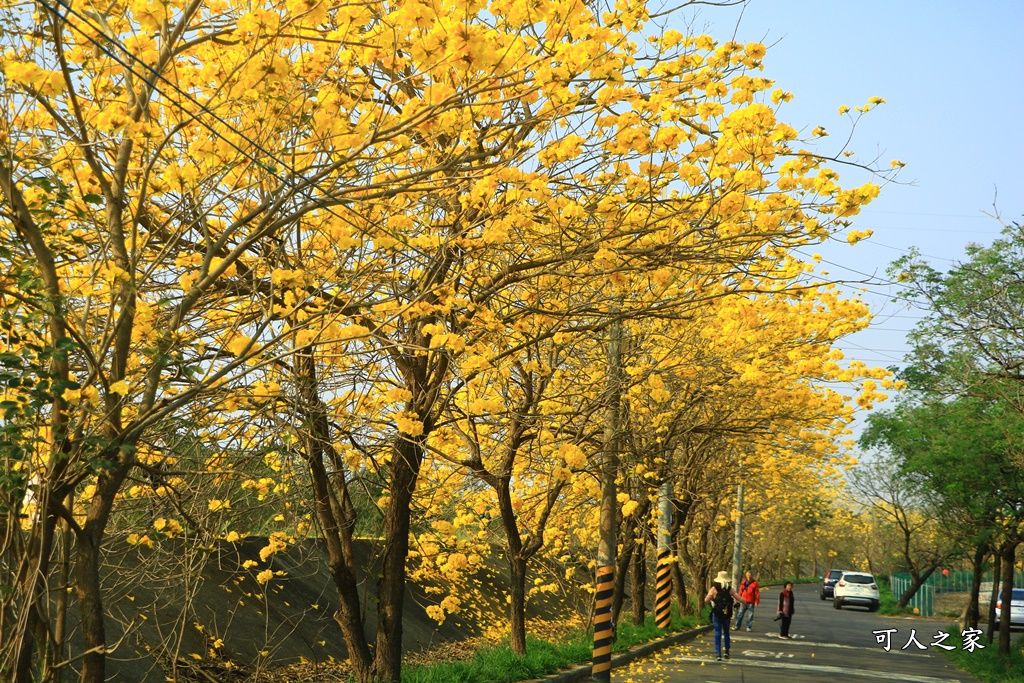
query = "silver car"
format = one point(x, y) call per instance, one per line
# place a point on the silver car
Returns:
point(1016, 608)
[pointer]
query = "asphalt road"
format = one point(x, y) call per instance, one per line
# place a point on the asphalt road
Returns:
point(827, 645)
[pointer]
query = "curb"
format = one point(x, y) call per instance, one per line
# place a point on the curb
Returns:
point(583, 672)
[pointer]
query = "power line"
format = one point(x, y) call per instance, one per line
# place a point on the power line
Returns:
point(907, 251)
point(866, 348)
point(933, 215)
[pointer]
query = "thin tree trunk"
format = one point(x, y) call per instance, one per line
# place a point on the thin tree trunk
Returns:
point(333, 516)
point(994, 597)
point(1009, 560)
point(622, 562)
point(57, 651)
point(638, 577)
point(36, 569)
point(974, 605)
point(678, 582)
point(702, 587)
point(517, 607)
point(679, 588)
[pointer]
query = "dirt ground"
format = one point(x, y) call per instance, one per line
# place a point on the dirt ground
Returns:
point(950, 604)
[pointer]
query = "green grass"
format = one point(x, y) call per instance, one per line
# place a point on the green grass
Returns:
point(887, 601)
point(498, 664)
point(986, 665)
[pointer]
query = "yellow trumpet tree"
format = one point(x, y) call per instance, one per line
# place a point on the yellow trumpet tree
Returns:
point(366, 206)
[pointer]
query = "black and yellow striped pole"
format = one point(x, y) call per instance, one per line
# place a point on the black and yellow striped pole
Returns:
point(663, 579)
point(604, 633)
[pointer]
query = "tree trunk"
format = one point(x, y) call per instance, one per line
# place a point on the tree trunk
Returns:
point(703, 585)
point(974, 604)
point(36, 569)
point(994, 596)
point(679, 588)
point(90, 604)
point(622, 563)
point(87, 570)
point(336, 520)
point(1009, 560)
point(406, 457)
point(638, 577)
point(57, 651)
point(678, 582)
point(917, 579)
point(517, 606)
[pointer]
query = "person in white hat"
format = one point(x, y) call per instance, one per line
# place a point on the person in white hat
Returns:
point(721, 598)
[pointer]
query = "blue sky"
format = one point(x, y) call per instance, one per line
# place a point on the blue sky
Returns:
point(951, 76)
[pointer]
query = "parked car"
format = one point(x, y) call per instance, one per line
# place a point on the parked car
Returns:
point(856, 588)
point(828, 583)
point(1016, 608)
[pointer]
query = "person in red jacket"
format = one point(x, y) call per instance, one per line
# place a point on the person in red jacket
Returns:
point(751, 594)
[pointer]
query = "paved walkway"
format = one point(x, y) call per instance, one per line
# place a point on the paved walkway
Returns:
point(827, 645)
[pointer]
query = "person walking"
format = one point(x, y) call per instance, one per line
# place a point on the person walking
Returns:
point(721, 597)
point(786, 609)
point(751, 594)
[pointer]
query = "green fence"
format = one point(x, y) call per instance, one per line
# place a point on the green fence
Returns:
point(958, 581)
point(924, 598)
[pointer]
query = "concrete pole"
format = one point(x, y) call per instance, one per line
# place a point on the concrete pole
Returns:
point(601, 670)
point(737, 541)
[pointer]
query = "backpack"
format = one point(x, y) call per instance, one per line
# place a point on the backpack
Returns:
point(721, 604)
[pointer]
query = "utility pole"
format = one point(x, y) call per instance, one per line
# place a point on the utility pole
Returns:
point(663, 580)
point(737, 541)
point(601, 670)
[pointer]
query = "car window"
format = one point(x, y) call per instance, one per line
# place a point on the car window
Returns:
point(1018, 593)
point(859, 578)
point(834, 574)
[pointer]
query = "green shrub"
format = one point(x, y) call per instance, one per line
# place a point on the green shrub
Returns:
point(887, 601)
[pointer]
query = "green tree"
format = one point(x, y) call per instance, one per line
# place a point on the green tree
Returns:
point(973, 330)
point(970, 345)
point(961, 452)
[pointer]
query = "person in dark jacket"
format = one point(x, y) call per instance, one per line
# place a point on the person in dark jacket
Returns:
point(786, 609)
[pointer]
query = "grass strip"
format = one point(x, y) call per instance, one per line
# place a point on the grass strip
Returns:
point(499, 664)
point(986, 664)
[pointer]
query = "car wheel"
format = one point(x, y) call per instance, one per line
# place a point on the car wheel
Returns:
point(837, 604)
point(822, 595)
point(873, 608)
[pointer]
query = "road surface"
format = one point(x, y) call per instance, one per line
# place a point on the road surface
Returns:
point(827, 645)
